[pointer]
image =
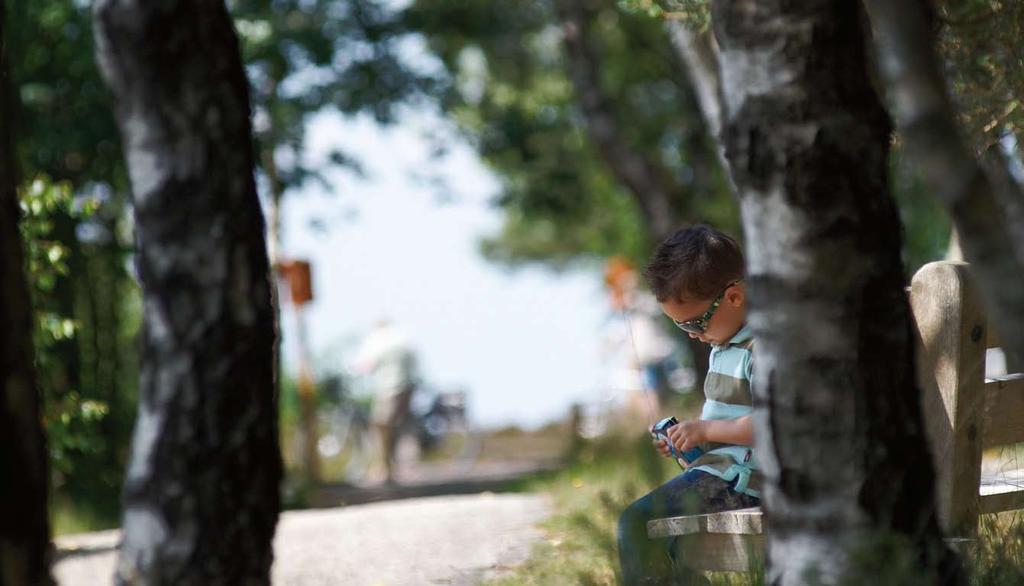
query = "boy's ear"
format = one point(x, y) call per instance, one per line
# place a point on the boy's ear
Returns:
point(735, 296)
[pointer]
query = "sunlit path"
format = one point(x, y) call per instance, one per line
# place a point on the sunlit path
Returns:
point(444, 540)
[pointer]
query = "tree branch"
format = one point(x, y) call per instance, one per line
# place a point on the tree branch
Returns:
point(925, 117)
point(644, 179)
point(699, 52)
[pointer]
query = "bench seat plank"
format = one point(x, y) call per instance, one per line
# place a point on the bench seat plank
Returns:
point(738, 522)
point(731, 541)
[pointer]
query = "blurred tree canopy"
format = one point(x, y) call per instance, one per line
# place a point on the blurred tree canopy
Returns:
point(508, 86)
point(303, 56)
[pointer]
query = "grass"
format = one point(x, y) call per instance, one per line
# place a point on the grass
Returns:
point(607, 474)
point(997, 558)
point(66, 519)
point(580, 540)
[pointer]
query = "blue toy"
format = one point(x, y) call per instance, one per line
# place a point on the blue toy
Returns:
point(660, 431)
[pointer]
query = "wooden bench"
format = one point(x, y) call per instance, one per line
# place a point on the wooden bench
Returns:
point(964, 412)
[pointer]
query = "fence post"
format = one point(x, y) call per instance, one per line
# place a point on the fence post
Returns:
point(951, 366)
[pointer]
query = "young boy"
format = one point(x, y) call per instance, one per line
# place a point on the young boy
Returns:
point(697, 277)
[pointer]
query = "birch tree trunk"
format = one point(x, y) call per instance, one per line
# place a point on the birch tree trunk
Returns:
point(201, 491)
point(986, 213)
point(838, 424)
point(24, 526)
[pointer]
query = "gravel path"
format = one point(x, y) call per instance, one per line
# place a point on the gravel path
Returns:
point(453, 540)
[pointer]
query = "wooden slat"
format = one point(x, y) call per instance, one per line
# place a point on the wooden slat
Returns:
point(1004, 501)
point(1002, 490)
point(1004, 410)
point(738, 522)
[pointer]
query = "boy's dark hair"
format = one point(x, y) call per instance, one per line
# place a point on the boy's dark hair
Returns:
point(695, 262)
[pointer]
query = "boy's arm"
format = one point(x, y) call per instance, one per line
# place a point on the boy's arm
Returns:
point(688, 434)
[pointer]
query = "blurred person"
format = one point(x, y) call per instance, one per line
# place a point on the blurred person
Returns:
point(648, 345)
point(387, 358)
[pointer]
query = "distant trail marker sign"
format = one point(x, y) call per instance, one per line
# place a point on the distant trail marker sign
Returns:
point(298, 274)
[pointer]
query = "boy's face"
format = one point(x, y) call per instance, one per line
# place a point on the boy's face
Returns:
point(723, 325)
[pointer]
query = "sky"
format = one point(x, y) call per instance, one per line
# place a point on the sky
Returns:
point(525, 344)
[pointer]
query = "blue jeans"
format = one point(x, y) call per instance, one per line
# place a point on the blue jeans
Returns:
point(650, 562)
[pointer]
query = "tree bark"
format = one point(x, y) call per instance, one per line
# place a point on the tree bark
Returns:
point(24, 525)
point(850, 486)
point(991, 242)
point(201, 492)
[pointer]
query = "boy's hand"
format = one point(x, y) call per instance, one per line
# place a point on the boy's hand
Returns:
point(662, 446)
point(688, 434)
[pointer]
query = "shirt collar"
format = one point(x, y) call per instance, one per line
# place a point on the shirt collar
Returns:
point(742, 335)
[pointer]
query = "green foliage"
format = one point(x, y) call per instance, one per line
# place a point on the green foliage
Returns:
point(46, 258)
point(81, 427)
point(926, 225)
point(75, 231)
point(695, 14)
point(69, 420)
point(66, 126)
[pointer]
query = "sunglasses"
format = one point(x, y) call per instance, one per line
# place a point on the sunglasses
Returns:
point(699, 325)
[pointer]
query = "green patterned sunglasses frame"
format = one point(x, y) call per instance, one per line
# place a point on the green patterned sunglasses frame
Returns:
point(699, 325)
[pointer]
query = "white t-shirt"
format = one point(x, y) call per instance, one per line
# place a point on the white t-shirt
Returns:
point(387, 357)
point(653, 343)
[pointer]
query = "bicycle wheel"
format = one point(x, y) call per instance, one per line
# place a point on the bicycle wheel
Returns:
point(348, 448)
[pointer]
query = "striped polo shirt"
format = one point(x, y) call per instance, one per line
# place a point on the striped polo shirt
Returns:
point(727, 396)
